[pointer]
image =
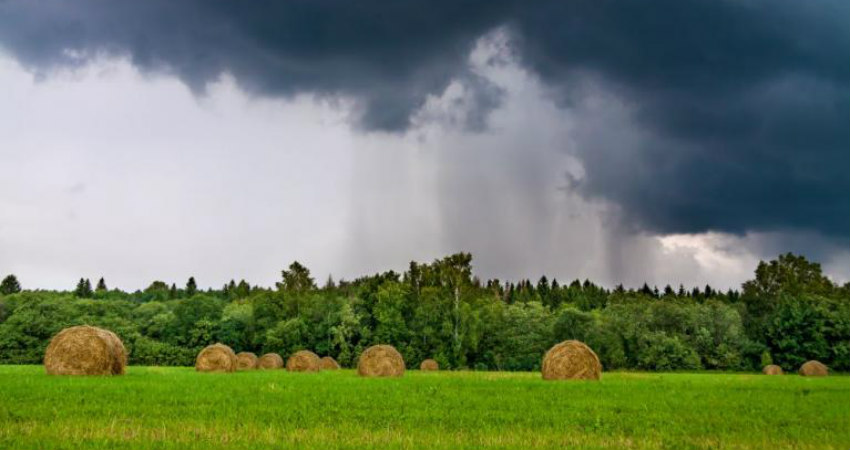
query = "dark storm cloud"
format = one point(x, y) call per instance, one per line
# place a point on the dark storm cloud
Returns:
point(387, 55)
point(742, 106)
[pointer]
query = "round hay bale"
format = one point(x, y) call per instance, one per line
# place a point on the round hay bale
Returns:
point(270, 361)
point(571, 360)
point(85, 350)
point(246, 361)
point(216, 358)
point(328, 363)
point(303, 361)
point(814, 369)
point(380, 361)
point(120, 363)
point(429, 364)
point(772, 369)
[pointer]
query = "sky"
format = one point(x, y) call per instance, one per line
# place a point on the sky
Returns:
point(626, 142)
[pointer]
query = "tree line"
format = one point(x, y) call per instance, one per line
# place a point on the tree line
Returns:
point(787, 314)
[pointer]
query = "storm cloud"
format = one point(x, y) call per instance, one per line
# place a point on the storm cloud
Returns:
point(685, 117)
point(387, 55)
point(739, 108)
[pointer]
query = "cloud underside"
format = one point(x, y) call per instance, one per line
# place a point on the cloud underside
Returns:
point(718, 115)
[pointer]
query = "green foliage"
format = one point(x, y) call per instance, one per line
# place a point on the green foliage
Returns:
point(195, 320)
point(658, 351)
point(296, 279)
point(573, 323)
point(526, 335)
point(789, 274)
point(439, 310)
point(150, 352)
point(766, 359)
point(35, 317)
point(237, 326)
point(157, 291)
point(287, 337)
point(795, 332)
point(10, 285)
point(389, 314)
point(83, 289)
point(191, 287)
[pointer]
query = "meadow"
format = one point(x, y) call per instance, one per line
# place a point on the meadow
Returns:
point(176, 407)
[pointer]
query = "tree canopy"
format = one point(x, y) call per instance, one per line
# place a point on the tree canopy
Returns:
point(788, 313)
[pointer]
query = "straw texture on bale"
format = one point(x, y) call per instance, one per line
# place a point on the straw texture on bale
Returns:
point(380, 361)
point(85, 350)
point(328, 363)
point(429, 364)
point(246, 361)
point(216, 358)
point(772, 369)
point(814, 369)
point(270, 361)
point(303, 361)
point(571, 360)
point(119, 364)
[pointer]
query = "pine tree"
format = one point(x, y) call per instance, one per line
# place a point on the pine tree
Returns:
point(83, 289)
point(191, 287)
point(619, 289)
point(10, 285)
point(172, 292)
point(543, 289)
point(101, 285)
point(329, 284)
point(243, 289)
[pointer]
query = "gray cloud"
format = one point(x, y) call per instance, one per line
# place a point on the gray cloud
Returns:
point(387, 55)
point(740, 108)
point(718, 115)
point(233, 186)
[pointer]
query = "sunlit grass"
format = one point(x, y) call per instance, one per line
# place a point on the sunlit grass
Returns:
point(154, 407)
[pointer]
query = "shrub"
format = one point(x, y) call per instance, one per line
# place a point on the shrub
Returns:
point(661, 352)
point(150, 352)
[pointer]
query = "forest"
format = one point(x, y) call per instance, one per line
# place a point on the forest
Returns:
point(788, 313)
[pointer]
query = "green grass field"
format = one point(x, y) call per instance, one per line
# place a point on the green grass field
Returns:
point(153, 407)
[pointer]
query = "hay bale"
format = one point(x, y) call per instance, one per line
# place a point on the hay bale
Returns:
point(303, 361)
point(246, 361)
point(85, 350)
point(772, 369)
point(429, 364)
point(814, 369)
point(120, 363)
point(328, 363)
point(216, 358)
point(380, 361)
point(270, 361)
point(571, 360)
